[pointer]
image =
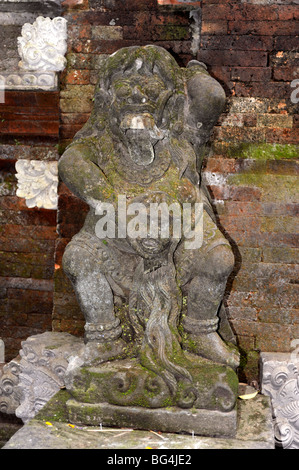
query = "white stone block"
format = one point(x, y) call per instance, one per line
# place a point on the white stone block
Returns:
point(37, 183)
point(280, 381)
point(43, 45)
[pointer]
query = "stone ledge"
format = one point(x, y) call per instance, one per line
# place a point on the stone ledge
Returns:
point(174, 420)
point(255, 431)
point(18, 80)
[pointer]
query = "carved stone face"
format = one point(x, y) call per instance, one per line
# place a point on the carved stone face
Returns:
point(138, 102)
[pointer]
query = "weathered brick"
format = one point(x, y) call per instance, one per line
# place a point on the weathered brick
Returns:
point(285, 135)
point(233, 58)
point(157, 33)
point(285, 43)
point(214, 27)
point(273, 89)
point(107, 32)
point(274, 120)
point(285, 73)
point(123, 4)
point(251, 74)
point(242, 43)
point(285, 255)
point(243, 12)
point(271, 28)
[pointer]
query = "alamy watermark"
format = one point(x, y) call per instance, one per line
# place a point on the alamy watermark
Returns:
point(152, 221)
point(2, 89)
point(295, 93)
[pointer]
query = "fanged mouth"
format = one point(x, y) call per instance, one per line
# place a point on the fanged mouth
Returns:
point(142, 122)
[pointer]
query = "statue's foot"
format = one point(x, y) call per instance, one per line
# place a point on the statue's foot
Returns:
point(211, 346)
point(96, 353)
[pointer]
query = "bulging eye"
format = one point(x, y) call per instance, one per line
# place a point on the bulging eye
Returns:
point(152, 91)
point(122, 90)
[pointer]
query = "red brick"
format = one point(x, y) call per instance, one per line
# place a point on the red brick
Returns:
point(120, 5)
point(244, 193)
point(251, 74)
point(221, 165)
point(78, 77)
point(214, 27)
point(288, 12)
point(277, 28)
point(286, 74)
point(75, 4)
point(220, 73)
point(286, 43)
point(234, 42)
point(30, 128)
point(178, 17)
point(283, 136)
point(28, 232)
point(239, 134)
point(244, 12)
point(278, 90)
point(157, 33)
point(29, 217)
point(32, 99)
point(179, 3)
point(26, 245)
point(233, 58)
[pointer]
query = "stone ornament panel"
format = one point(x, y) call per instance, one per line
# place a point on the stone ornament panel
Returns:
point(37, 374)
point(43, 44)
point(37, 183)
point(19, 80)
point(280, 381)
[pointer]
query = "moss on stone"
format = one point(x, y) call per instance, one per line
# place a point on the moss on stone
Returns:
point(264, 151)
point(55, 408)
point(274, 188)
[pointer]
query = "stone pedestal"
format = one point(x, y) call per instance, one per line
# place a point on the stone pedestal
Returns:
point(124, 394)
point(51, 429)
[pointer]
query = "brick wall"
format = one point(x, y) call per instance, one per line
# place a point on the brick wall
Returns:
point(250, 47)
point(29, 129)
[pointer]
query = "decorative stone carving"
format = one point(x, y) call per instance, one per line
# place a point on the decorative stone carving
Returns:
point(37, 183)
point(2, 351)
point(156, 334)
point(280, 381)
point(30, 380)
point(9, 394)
point(42, 45)
point(34, 80)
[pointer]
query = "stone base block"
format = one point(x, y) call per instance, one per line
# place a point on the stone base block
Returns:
point(174, 420)
point(51, 429)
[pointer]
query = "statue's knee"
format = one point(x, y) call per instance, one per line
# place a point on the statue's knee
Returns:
point(70, 261)
point(221, 261)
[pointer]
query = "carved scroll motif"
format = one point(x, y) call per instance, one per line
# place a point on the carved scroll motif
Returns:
point(43, 44)
point(37, 183)
point(29, 381)
point(280, 380)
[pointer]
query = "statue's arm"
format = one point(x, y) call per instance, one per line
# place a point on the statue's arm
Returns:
point(205, 100)
point(78, 170)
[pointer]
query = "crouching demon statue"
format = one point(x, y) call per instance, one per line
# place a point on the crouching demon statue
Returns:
point(157, 342)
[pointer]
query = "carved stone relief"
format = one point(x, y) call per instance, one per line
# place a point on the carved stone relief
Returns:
point(43, 44)
point(19, 80)
point(37, 183)
point(31, 379)
point(280, 381)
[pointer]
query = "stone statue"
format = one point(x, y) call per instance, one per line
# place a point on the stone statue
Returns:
point(152, 304)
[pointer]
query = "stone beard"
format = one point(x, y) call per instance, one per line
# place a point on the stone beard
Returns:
point(150, 301)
